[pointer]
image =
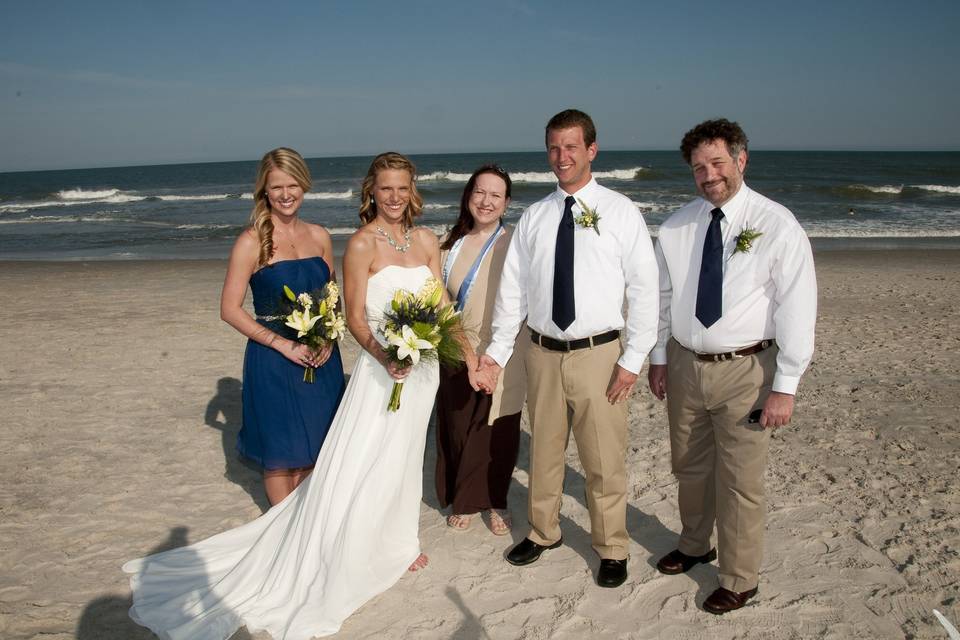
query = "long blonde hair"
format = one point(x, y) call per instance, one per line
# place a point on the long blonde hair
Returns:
point(390, 160)
point(290, 162)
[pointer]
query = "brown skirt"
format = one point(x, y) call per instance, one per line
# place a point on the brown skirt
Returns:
point(475, 460)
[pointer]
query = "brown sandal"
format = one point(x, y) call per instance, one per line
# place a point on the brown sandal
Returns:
point(460, 521)
point(500, 522)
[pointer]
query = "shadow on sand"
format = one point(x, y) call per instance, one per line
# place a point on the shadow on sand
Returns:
point(107, 617)
point(644, 529)
point(224, 413)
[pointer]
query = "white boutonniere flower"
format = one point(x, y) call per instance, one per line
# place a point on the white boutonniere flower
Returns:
point(588, 218)
point(744, 241)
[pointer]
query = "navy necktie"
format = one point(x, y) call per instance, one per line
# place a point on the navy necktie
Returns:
point(564, 309)
point(710, 287)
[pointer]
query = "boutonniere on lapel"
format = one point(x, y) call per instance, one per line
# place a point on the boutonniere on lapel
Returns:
point(744, 241)
point(588, 218)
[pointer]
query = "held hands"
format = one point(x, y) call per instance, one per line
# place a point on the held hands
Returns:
point(621, 385)
point(657, 378)
point(486, 375)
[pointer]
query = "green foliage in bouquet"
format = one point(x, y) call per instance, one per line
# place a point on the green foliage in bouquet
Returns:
point(418, 326)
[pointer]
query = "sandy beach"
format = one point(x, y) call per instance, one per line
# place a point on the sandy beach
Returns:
point(120, 389)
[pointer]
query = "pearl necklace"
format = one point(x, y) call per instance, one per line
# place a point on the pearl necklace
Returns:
point(406, 240)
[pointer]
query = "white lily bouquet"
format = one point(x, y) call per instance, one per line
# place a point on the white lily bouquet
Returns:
point(417, 327)
point(316, 318)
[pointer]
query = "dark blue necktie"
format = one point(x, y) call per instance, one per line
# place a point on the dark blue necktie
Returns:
point(710, 287)
point(564, 310)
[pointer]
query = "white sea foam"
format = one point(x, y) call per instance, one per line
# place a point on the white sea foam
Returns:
point(63, 219)
point(113, 198)
point(881, 189)
point(319, 195)
point(190, 227)
point(444, 176)
point(434, 205)
point(328, 195)
point(831, 231)
point(120, 198)
point(533, 176)
point(210, 196)
point(80, 194)
point(939, 188)
point(653, 207)
point(619, 174)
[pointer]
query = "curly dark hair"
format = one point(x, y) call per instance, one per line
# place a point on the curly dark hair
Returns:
point(573, 118)
point(464, 222)
point(710, 130)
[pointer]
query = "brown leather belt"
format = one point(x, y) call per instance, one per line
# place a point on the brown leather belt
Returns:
point(732, 355)
point(573, 345)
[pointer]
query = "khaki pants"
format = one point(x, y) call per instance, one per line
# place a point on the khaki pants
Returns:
point(568, 389)
point(719, 458)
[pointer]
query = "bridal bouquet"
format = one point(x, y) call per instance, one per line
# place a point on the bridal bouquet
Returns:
point(315, 317)
point(417, 326)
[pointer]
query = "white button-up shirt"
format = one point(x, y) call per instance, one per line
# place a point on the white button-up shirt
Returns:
point(616, 262)
point(769, 291)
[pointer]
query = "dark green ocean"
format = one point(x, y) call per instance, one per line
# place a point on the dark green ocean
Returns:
point(843, 199)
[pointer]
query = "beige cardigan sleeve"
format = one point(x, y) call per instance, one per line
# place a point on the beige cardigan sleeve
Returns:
point(511, 391)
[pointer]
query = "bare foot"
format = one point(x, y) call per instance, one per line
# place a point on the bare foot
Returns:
point(419, 563)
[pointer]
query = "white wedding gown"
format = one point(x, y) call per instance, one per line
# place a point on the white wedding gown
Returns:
point(348, 533)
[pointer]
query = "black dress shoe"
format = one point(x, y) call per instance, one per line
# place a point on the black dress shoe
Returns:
point(529, 551)
point(678, 562)
point(723, 600)
point(612, 573)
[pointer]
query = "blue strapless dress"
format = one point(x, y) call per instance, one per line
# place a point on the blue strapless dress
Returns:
point(285, 419)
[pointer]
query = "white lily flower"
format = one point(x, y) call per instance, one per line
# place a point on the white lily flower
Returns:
point(408, 344)
point(302, 321)
point(336, 328)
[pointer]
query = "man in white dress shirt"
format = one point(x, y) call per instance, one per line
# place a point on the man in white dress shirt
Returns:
point(573, 257)
point(738, 304)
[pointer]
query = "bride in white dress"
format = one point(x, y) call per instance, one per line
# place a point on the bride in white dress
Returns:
point(349, 532)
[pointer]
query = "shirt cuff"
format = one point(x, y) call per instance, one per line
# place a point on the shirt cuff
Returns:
point(500, 354)
point(631, 362)
point(785, 384)
point(658, 355)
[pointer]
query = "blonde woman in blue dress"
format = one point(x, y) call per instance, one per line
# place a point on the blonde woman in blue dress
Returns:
point(284, 419)
point(350, 530)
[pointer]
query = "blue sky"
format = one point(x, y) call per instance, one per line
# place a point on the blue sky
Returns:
point(99, 84)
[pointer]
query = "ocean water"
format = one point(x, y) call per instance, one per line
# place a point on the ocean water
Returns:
point(843, 199)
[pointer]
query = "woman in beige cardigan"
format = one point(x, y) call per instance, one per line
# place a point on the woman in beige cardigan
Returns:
point(478, 435)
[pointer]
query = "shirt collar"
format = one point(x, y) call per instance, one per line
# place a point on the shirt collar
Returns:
point(733, 209)
point(583, 193)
